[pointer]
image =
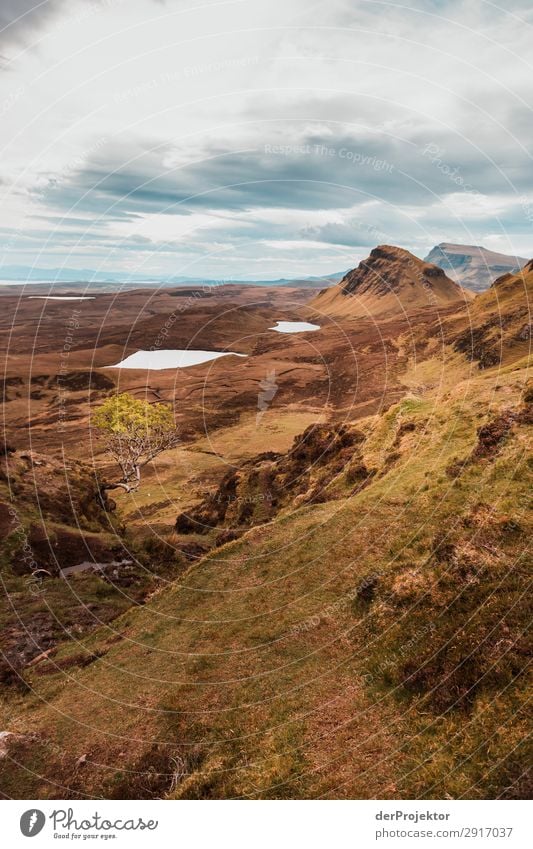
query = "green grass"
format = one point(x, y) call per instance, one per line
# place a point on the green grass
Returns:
point(263, 672)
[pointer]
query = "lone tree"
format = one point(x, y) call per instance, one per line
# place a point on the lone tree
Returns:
point(134, 432)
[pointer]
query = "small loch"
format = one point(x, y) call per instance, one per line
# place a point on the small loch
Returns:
point(61, 297)
point(162, 359)
point(294, 327)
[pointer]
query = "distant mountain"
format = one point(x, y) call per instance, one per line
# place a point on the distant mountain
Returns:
point(28, 274)
point(113, 280)
point(314, 282)
point(498, 327)
point(391, 280)
point(472, 266)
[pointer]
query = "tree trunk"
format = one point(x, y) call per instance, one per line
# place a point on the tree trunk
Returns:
point(103, 488)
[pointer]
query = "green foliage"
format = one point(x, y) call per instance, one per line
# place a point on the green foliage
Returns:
point(134, 432)
point(123, 414)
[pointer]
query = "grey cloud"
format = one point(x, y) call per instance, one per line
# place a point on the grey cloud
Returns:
point(354, 234)
point(21, 18)
point(348, 12)
point(267, 177)
point(306, 172)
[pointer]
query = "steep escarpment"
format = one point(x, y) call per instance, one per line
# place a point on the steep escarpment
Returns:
point(310, 473)
point(391, 281)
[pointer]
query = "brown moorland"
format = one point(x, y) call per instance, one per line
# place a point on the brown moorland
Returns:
point(327, 600)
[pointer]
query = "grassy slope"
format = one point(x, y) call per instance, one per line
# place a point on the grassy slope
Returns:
point(263, 671)
point(181, 475)
point(55, 521)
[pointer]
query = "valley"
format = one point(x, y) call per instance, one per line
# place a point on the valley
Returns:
point(321, 591)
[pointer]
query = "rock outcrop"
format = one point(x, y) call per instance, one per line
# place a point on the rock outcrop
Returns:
point(262, 487)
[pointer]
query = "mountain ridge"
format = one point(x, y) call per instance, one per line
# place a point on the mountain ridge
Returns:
point(390, 280)
point(473, 266)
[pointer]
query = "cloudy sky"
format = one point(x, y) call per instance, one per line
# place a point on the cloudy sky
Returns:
point(252, 139)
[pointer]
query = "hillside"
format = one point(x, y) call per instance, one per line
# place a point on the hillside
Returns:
point(365, 640)
point(498, 328)
point(472, 266)
point(391, 281)
point(55, 523)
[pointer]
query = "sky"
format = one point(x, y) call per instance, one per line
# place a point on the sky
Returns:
point(244, 139)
